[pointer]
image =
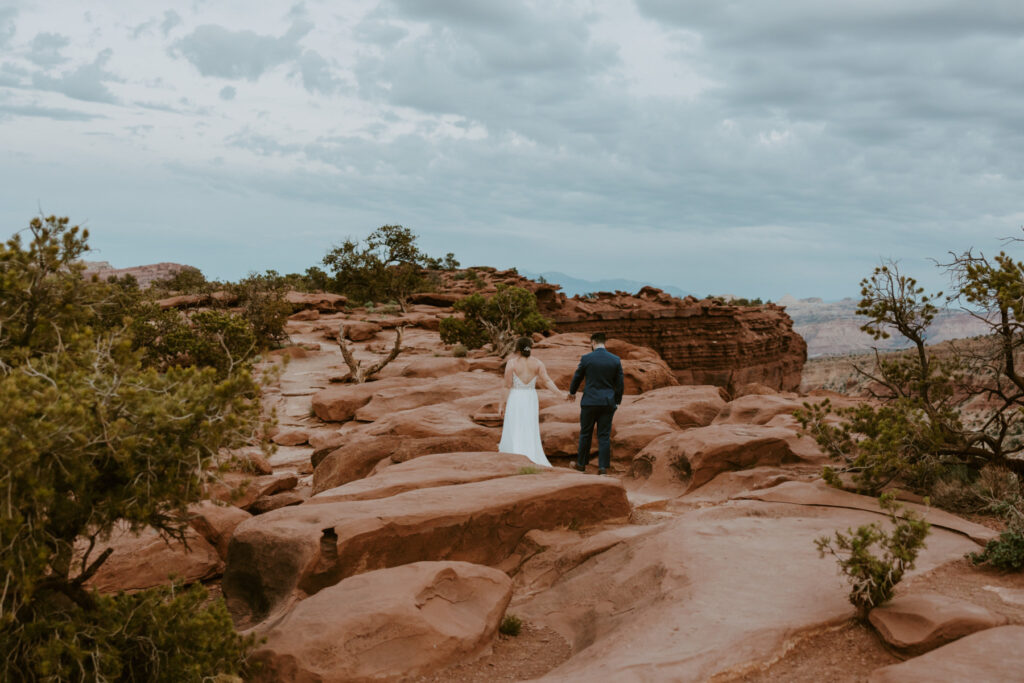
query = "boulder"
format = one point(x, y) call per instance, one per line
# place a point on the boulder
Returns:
point(435, 299)
point(921, 622)
point(427, 392)
point(291, 437)
point(388, 624)
point(443, 469)
point(435, 366)
point(320, 301)
point(216, 523)
point(358, 457)
point(306, 548)
point(308, 314)
point(679, 406)
point(994, 656)
point(696, 456)
point(324, 438)
point(358, 330)
point(340, 403)
point(756, 409)
point(265, 504)
point(242, 490)
point(145, 560)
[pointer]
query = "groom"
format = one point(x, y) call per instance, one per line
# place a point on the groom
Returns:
point(602, 393)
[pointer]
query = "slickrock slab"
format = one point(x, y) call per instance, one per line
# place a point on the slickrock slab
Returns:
point(696, 456)
point(278, 500)
point(321, 301)
point(216, 523)
point(340, 403)
point(388, 624)
point(820, 493)
point(757, 409)
point(684, 406)
point(433, 367)
point(994, 656)
point(444, 469)
point(291, 437)
point(918, 623)
point(146, 560)
point(309, 547)
point(362, 452)
point(429, 392)
point(242, 490)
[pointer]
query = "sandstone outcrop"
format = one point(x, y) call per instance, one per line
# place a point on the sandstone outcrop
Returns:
point(216, 523)
point(994, 655)
point(918, 623)
point(303, 549)
point(388, 624)
point(145, 560)
point(642, 369)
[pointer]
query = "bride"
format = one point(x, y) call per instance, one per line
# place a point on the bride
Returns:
point(521, 430)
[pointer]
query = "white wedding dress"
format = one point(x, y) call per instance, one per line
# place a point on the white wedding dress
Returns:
point(521, 430)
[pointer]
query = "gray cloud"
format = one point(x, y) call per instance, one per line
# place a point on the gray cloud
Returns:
point(87, 82)
point(228, 92)
point(7, 28)
point(46, 49)
point(217, 51)
point(57, 114)
point(171, 21)
point(316, 74)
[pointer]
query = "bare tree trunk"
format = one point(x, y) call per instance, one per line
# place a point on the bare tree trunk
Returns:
point(359, 373)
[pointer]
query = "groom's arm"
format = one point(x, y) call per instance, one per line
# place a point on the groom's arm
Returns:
point(577, 377)
point(620, 384)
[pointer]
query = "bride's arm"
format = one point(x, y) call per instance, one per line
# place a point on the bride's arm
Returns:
point(508, 387)
point(546, 379)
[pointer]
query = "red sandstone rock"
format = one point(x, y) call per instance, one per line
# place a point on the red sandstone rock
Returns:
point(757, 409)
point(146, 560)
point(436, 299)
point(426, 393)
point(683, 406)
point(443, 469)
point(290, 351)
point(308, 314)
point(362, 452)
point(696, 456)
point(340, 403)
point(434, 367)
point(642, 369)
point(918, 623)
point(216, 523)
point(265, 504)
point(291, 437)
point(242, 490)
point(320, 301)
point(309, 547)
point(994, 656)
point(388, 624)
point(358, 330)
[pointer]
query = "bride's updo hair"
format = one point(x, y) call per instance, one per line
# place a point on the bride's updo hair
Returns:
point(524, 345)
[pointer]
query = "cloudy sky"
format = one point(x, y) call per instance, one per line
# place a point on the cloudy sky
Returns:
point(722, 146)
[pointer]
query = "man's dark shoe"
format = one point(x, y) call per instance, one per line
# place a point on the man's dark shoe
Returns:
point(602, 470)
point(580, 467)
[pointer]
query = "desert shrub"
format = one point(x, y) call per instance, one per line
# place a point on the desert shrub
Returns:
point(510, 313)
point(213, 338)
point(388, 265)
point(460, 350)
point(93, 436)
point(1005, 552)
point(262, 300)
point(917, 432)
point(873, 577)
point(188, 280)
point(511, 625)
point(449, 262)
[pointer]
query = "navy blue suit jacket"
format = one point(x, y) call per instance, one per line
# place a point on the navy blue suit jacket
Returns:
point(603, 371)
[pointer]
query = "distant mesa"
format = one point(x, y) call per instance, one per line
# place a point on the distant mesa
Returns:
point(145, 275)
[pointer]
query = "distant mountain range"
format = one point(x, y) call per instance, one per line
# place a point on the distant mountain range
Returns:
point(573, 286)
point(833, 327)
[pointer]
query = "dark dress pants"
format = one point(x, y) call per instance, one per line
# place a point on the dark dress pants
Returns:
point(602, 417)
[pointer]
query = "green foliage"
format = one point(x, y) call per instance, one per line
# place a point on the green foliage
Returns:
point(449, 262)
point(387, 266)
point(510, 313)
point(1005, 552)
point(511, 625)
point(872, 577)
point(188, 280)
point(96, 435)
point(264, 307)
point(211, 338)
point(167, 634)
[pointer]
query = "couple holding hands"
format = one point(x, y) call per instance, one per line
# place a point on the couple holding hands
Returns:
point(600, 371)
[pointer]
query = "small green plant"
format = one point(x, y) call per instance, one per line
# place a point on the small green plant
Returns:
point(460, 350)
point(527, 470)
point(511, 312)
point(511, 625)
point(1005, 552)
point(874, 577)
